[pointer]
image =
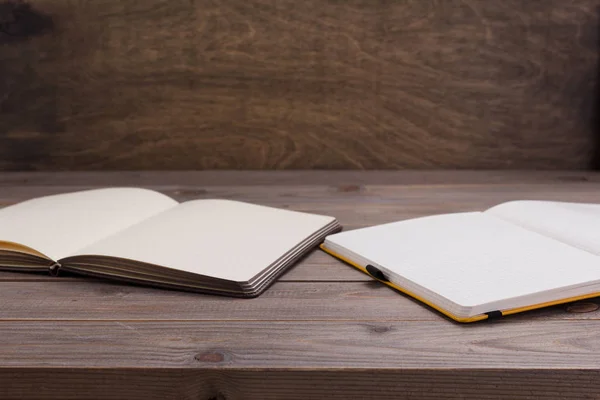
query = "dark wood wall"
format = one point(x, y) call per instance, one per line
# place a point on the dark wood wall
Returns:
point(195, 84)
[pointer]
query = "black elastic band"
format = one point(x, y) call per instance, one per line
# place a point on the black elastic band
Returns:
point(494, 314)
point(376, 273)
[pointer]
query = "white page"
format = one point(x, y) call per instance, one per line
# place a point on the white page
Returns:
point(220, 238)
point(58, 225)
point(577, 224)
point(471, 258)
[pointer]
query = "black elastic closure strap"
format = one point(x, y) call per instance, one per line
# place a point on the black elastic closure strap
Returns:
point(494, 314)
point(376, 273)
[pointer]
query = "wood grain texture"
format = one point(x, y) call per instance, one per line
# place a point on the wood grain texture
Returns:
point(188, 384)
point(478, 384)
point(345, 181)
point(507, 345)
point(285, 84)
point(366, 301)
point(324, 330)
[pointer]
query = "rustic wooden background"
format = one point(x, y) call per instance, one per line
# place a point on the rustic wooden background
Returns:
point(287, 84)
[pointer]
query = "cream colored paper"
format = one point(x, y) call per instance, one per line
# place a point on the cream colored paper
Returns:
point(218, 238)
point(59, 225)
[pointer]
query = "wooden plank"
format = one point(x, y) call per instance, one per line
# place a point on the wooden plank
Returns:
point(344, 181)
point(267, 84)
point(284, 301)
point(319, 266)
point(509, 344)
point(414, 199)
point(310, 335)
point(192, 384)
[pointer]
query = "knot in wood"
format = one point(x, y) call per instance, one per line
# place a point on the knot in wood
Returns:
point(210, 357)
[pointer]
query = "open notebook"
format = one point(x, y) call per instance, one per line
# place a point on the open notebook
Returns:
point(138, 235)
point(514, 257)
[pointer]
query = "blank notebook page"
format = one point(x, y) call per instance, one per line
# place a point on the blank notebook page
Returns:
point(577, 224)
point(59, 225)
point(219, 238)
point(471, 258)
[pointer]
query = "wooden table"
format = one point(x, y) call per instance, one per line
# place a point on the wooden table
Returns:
point(323, 330)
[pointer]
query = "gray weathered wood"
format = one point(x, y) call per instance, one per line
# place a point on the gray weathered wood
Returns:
point(511, 344)
point(284, 301)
